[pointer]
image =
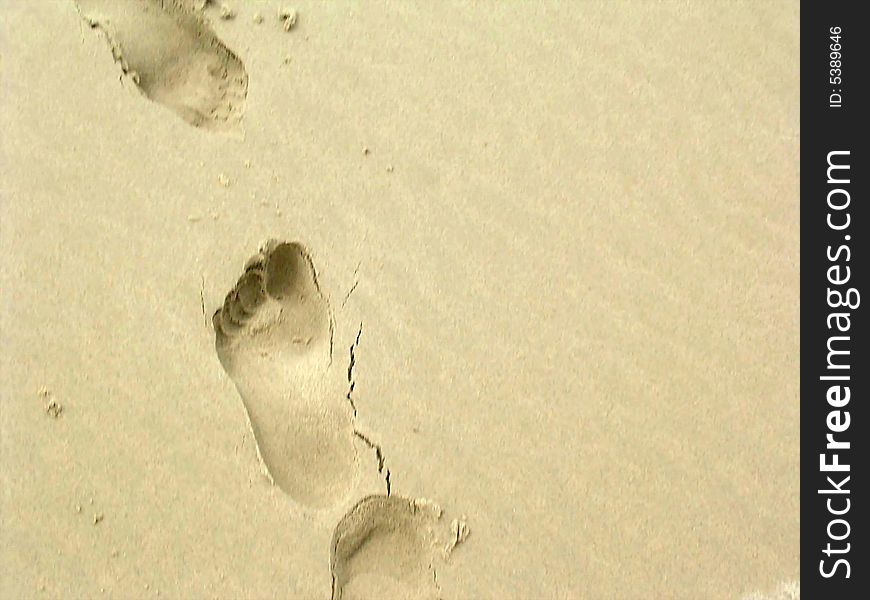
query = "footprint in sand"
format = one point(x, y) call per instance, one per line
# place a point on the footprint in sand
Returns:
point(385, 547)
point(273, 337)
point(174, 58)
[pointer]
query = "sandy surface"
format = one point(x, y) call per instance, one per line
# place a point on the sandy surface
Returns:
point(562, 242)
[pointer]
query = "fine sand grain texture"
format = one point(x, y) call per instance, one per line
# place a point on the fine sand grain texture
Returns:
point(274, 273)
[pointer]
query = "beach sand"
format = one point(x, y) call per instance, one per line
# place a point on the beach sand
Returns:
point(533, 271)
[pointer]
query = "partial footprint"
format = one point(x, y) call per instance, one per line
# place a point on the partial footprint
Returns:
point(386, 547)
point(174, 58)
point(273, 337)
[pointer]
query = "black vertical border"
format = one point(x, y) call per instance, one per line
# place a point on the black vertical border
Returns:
point(825, 129)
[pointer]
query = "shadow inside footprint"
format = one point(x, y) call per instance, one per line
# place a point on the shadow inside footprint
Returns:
point(174, 58)
point(277, 302)
point(273, 336)
point(384, 547)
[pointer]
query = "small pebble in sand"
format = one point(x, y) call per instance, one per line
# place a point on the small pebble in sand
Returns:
point(227, 12)
point(53, 408)
point(224, 180)
point(258, 18)
point(365, 151)
point(78, 509)
point(289, 16)
point(248, 163)
point(98, 518)
point(460, 530)
point(389, 168)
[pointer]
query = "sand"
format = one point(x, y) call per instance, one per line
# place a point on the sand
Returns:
point(530, 269)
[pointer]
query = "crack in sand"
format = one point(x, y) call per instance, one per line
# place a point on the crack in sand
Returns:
point(350, 380)
point(354, 286)
point(379, 453)
point(349, 292)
